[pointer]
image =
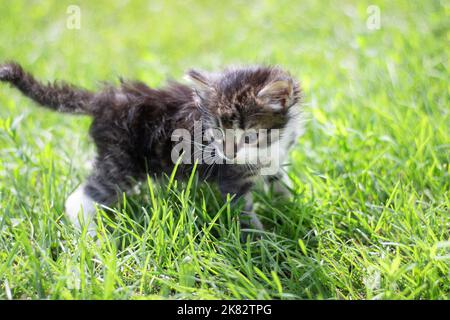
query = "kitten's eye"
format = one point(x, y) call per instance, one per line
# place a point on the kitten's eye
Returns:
point(219, 134)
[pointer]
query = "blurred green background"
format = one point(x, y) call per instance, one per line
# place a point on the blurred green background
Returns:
point(370, 216)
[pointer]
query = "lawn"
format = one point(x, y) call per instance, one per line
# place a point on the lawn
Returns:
point(369, 215)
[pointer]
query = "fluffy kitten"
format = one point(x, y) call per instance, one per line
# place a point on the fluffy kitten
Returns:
point(133, 129)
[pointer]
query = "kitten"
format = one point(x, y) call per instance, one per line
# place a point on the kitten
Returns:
point(133, 130)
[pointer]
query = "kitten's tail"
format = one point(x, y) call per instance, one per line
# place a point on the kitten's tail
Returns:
point(58, 96)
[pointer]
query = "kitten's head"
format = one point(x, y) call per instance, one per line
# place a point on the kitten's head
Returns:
point(244, 106)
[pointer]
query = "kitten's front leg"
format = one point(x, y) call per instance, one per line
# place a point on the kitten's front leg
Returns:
point(110, 177)
point(249, 219)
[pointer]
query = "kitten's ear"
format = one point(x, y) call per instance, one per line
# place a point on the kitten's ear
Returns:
point(278, 94)
point(200, 82)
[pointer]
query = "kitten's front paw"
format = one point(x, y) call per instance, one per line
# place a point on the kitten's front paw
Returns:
point(80, 206)
point(10, 71)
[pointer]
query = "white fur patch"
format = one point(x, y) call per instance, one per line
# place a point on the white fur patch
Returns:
point(80, 209)
point(253, 218)
point(5, 71)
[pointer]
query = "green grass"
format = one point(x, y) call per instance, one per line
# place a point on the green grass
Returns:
point(369, 218)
